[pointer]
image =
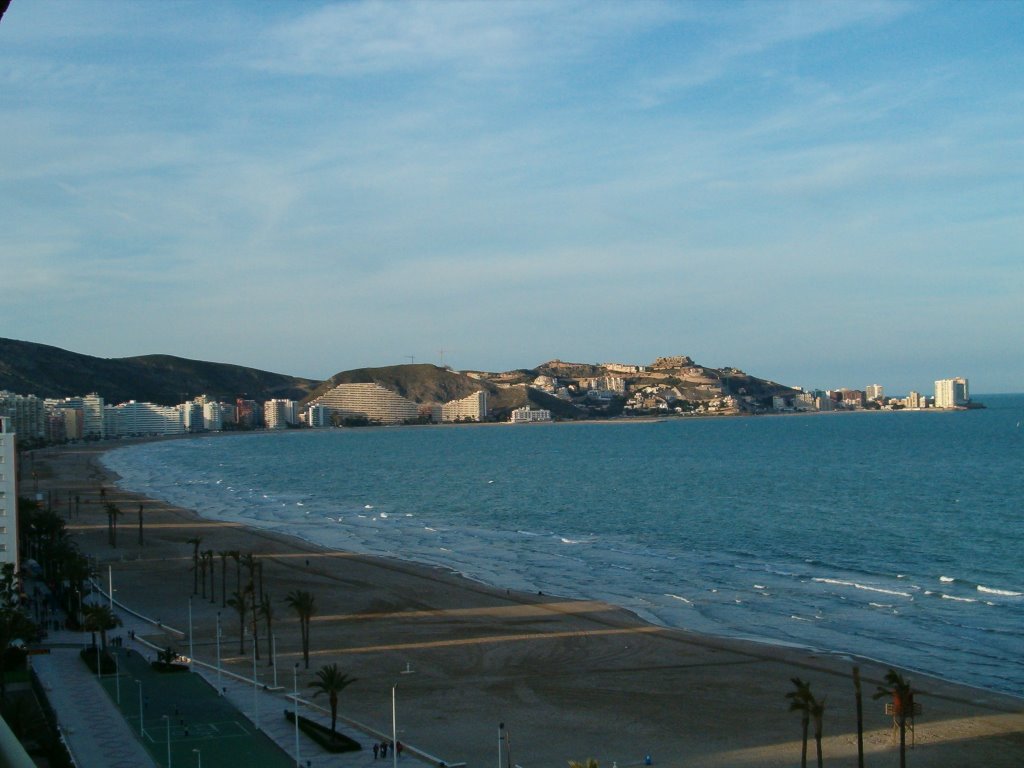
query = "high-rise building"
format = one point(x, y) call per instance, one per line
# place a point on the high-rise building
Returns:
point(8, 495)
point(279, 414)
point(874, 392)
point(473, 407)
point(952, 393)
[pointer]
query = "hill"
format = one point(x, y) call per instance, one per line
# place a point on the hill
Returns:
point(45, 371)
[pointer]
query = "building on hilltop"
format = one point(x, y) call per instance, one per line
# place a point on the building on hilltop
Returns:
point(8, 494)
point(952, 393)
point(472, 407)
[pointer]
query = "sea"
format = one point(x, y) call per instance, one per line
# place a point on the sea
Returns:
point(895, 536)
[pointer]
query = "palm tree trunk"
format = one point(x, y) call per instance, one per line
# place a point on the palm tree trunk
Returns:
point(860, 717)
point(803, 751)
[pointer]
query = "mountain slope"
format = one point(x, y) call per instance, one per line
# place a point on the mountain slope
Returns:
point(39, 369)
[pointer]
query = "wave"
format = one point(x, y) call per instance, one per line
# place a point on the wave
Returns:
point(680, 599)
point(959, 599)
point(841, 583)
point(1001, 592)
point(946, 579)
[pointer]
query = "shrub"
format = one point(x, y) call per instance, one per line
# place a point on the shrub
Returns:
point(321, 734)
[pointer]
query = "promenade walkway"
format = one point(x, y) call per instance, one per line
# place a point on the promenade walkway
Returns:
point(185, 720)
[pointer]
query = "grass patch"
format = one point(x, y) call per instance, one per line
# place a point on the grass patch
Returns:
point(321, 734)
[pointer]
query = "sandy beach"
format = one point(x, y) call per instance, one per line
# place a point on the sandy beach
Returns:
point(569, 679)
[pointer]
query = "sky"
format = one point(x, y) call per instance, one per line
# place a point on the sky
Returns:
point(824, 194)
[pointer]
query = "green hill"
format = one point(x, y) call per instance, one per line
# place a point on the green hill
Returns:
point(37, 369)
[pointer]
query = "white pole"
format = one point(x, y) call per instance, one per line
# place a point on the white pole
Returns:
point(142, 728)
point(295, 685)
point(190, 650)
point(168, 719)
point(110, 585)
point(255, 700)
point(394, 729)
point(219, 688)
point(199, 758)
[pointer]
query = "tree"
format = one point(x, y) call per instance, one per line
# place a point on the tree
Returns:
point(14, 625)
point(902, 694)
point(99, 618)
point(588, 763)
point(304, 605)
point(195, 541)
point(255, 622)
point(267, 612)
point(240, 602)
point(112, 514)
point(332, 681)
point(224, 555)
point(800, 701)
point(208, 554)
point(818, 714)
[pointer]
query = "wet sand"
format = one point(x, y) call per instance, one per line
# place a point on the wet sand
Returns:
point(569, 679)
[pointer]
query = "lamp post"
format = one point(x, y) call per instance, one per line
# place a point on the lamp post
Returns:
point(273, 657)
point(117, 678)
point(219, 688)
point(255, 690)
point(168, 719)
point(142, 727)
point(394, 729)
point(190, 650)
point(110, 585)
point(199, 758)
point(295, 686)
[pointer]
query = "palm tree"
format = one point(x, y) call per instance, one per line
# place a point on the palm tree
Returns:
point(818, 713)
point(902, 694)
point(14, 625)
point(588, 763)
point(255, 622)
point(800, 701)
point(202, 571)
point(239, 601)
point(237, 557)
point(267, 611)
point(99, 618)
point(195, 541)
point(304, 605)
point(224, 555)
point(112, 514)
point(208, 554)
point(332, 681)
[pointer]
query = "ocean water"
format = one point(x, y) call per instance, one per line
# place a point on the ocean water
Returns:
point(895, 536)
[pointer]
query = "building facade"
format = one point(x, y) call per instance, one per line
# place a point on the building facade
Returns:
point(369, 401)
point(952, 393)
point(8, 494)
point(472, 407)
point(526, 415)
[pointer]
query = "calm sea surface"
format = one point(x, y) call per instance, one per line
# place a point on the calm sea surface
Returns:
point(890, 535)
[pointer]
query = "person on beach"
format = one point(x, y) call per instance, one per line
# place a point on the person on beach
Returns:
point(383, 750)
point(376, 750)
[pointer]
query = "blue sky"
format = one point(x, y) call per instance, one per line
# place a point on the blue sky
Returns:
point(824, 194)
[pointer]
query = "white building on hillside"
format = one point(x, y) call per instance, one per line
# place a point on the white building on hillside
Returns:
point(369, 401)
point(133, 419)
point(473, 407)
point(8, 495)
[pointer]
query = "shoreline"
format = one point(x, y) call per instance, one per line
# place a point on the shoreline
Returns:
point(529, 660)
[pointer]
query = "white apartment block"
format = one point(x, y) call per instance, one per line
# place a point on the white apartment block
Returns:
point(133, 419)
point(213, 416)
point(318, 416)
point(472, 407)
point(874, 392)
point(952, 393)
point(27, 414)
point(369, 401)
point(8, 495)
point(279, 414)
point(526, 415)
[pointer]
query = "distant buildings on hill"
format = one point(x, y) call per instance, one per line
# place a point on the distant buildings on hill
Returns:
point(8, 495)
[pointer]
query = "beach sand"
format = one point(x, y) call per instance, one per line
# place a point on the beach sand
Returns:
point(569, 679)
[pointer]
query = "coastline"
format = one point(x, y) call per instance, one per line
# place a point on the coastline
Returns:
point(570, 678)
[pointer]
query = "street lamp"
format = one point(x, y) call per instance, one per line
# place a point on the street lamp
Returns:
point(168, 719)
point(199, 758)
point(295, 686)
point(117, 678)
point(255, 689)
point(142, 728)
point(191, 654)
point(394, 729)
point(219, 688)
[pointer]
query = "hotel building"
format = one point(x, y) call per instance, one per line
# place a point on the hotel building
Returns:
point(369, 401)
point(473, 407)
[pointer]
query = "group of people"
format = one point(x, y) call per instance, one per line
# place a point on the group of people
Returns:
point(381, 750)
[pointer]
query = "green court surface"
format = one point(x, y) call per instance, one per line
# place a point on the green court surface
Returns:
point(183, 711)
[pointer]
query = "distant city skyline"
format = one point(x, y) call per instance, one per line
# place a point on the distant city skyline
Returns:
point(822, 194)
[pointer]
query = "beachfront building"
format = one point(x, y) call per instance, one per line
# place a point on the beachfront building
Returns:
point(368, 401)
point(318, 416)
point(8, 494)
point(133, 419)
point(874, 392)
point(27, 414)
point(527, 415)
point(952, 393)
point(279, 414)
point(472, 408)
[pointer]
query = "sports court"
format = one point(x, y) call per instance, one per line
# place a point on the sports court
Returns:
point(185, 722)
